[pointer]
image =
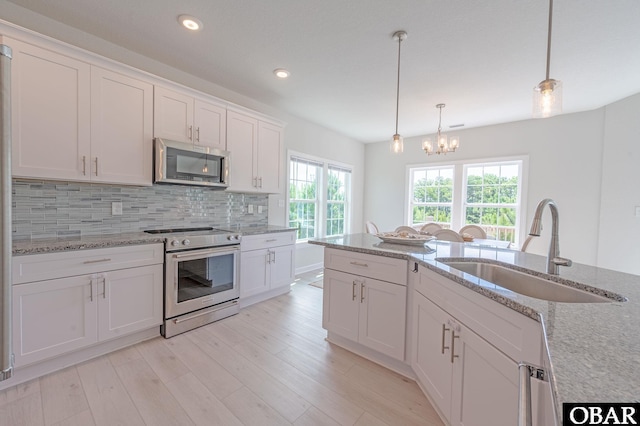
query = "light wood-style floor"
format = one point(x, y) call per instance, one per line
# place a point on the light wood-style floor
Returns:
point(269, 365)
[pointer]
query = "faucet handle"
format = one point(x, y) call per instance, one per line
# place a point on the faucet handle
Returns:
point(561, 261)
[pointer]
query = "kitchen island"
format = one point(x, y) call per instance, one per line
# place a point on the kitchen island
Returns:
point(593, 347)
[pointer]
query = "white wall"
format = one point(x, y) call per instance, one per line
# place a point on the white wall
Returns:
point(564, 164)
point(619, 246)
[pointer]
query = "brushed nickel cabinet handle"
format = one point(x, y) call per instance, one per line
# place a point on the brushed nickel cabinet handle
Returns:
point(362, 292)
point(271, 240)
point(360, 264)
point(84, 165)
point(444, 330)
point(91, 290)
point(190, 133)
point(104, 288)
point(353, 291)
point(198, 133)
point(96, 160)
point(260, 180)
point(255, 182)
point(97, 261)
point(453, 345)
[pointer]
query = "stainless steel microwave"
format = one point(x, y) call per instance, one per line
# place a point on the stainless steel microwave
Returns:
point(188, 164)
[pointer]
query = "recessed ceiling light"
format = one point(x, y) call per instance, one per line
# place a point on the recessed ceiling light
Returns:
point(190, 23)
point(281, 73)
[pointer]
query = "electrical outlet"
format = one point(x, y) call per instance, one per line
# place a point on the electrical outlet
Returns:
point(250, 209)
point(116, 208)
point(280, 203)
point(259, 209)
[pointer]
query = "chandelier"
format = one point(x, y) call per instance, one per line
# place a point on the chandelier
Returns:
point(547, 95)
point(443, 143)
point(396, 146)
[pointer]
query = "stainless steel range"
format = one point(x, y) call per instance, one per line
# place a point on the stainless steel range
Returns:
point(200, 280)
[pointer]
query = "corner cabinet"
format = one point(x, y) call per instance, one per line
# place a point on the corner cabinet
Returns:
point(256, 154)
point(267, 266)
point(185, 118)
point(68, 301)
point(363, 309)
point(75, 121)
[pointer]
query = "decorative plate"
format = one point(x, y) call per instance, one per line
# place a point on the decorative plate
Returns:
point(411, 239)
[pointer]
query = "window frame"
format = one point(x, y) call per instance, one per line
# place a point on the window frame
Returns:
point(412, 204)
point(460, 187)
point(322, 201)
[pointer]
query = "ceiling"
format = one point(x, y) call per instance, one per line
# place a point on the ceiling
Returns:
point(480, 58)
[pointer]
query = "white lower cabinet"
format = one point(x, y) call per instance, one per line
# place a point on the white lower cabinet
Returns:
point(465, 351)
point(470, 381)
point(365, 310)
point(267, 265)
point(52, 317)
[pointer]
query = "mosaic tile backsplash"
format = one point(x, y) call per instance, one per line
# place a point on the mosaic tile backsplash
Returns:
point(48, 209)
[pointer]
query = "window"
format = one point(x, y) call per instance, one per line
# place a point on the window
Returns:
point(432, 195)
point(487, 194)
point(319, 197)
point(492, 198)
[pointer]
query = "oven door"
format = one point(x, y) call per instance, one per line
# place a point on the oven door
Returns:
point(200, 278)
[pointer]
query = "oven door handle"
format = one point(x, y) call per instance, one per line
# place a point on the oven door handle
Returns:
point(200, 253)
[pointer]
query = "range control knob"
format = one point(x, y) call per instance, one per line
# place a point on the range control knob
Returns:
point(175, 243)
point(232, 237)
point(186, 242)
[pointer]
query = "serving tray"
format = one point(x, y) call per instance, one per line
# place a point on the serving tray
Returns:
point(410, 239)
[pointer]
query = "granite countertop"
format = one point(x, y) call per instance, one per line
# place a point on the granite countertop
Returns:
point(594, 347)
point(52, 245)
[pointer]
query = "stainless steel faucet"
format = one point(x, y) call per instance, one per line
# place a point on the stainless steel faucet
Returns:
point(554, 261)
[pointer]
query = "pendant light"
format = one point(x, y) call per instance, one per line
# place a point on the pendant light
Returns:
point(443, 144)
point(547, 96)
point(397, 146)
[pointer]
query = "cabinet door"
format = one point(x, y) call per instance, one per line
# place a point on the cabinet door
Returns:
point(269, 157)
point(210, 122)
point(121, 128)
point(382, 316)
point(50, 103)
point(242, 133)
point(485, 383)
point(431, 359)
point(129, 300)
point(173, 115)
point(254, 269)
point(53, 317)
point(341, 303)
point(282, 266)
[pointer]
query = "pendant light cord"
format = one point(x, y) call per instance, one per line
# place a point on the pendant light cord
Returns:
point(549, 37)
point(398, 83)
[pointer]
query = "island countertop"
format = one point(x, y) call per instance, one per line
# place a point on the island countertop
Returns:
point(594, 347)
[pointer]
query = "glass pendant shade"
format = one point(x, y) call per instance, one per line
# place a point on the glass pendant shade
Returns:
point(397, 145)
point(427, 146)
point(547, 99)
point(454, 143)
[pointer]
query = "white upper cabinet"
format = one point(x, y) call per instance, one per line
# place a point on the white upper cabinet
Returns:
point(256, 154)
point(75, 121)
point(183, 118)
point(50, 104)
point(121, 128)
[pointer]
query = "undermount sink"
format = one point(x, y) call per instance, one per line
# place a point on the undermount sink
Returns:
point(525, 284)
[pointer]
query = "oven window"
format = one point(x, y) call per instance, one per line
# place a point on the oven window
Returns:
point(204, 277)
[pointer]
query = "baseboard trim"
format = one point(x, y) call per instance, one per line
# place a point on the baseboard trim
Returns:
point(33, 371)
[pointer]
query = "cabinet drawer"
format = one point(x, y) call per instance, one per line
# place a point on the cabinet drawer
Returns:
point(46, 266)
point(367, 265)
point(262, 241)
